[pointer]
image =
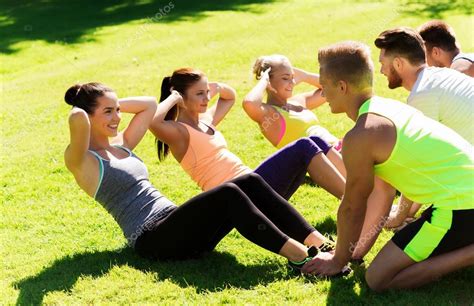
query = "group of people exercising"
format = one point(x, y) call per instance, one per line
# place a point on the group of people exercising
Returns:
point(422, 148)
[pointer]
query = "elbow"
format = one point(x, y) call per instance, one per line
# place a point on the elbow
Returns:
point(78, 117)
point(152, 105)
point(233, 94)
point(231, 100)
point(153, 101)
point(247, 103)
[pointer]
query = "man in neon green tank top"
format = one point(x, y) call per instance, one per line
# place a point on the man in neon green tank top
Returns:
point(442, 94)
point(426, 161)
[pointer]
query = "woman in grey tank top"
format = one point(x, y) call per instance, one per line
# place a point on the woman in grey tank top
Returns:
point(155, 227)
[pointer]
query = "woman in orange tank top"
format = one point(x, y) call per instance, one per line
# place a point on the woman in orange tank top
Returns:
point(185, 125)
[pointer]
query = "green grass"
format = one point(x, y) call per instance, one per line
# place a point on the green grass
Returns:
point(59, 247)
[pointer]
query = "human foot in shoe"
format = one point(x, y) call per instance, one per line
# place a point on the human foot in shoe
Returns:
point(328, 246)
point(324, 265)
point(296, 266)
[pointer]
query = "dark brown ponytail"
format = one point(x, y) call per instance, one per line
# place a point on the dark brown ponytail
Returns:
point(180, 80)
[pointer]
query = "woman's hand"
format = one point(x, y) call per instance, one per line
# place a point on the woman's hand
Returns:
point(216, 113)
point(265, 75)
point(143, 109)
point(177, 98)
point(253, 102)
point(398, 217)
point(306, 77)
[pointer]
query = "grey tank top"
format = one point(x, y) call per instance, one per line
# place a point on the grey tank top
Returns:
point(126, 193)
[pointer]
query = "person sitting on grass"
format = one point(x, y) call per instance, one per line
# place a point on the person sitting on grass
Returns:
point(104, 166)
point(184, 125)
point(442, 94)
point(442, 49)
point(285, 117)
point(425, 160)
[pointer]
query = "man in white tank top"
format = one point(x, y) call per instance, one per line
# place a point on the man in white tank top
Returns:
point(442, 49)
point(442, 94)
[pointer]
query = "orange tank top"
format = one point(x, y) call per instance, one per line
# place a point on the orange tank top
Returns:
point(208, 161)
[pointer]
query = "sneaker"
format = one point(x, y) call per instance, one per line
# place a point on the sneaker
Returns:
point(296, 266)
point(327, 246)
point(345, 271)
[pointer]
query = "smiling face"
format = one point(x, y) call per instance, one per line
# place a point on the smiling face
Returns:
point(388, 69)
point(106, 117)
point(196, 96)
point(282, 80)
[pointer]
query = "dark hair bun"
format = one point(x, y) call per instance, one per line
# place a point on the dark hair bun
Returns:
point(71, 94)
point(85, 95)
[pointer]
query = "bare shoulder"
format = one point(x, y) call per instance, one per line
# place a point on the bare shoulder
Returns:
point(375, 134)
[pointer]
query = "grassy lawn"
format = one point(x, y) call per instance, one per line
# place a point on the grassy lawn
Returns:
point(57, 246)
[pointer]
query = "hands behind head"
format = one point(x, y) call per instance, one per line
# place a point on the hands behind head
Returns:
point(214, 89)
point(265, 75)
point(76, 110)
point(176, 96)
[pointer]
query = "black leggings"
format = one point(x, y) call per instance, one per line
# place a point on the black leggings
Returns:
point(247, 203)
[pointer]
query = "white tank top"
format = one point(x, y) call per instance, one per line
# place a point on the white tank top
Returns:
point(447, 96)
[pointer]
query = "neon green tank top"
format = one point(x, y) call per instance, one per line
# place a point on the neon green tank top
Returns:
point(294, 125)
point(430, 163)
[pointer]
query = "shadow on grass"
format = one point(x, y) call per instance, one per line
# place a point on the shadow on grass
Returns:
point(206, 274)
point(436, 9)
point(328, 226)
point(75, 21)
point(453, 289)
point(343, 292)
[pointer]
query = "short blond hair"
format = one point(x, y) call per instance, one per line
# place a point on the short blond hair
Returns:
point(268, 61)
point(348, 61)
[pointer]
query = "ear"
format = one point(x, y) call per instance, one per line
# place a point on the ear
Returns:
point(397, 64)
point(342, 86)
point(436, 52)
